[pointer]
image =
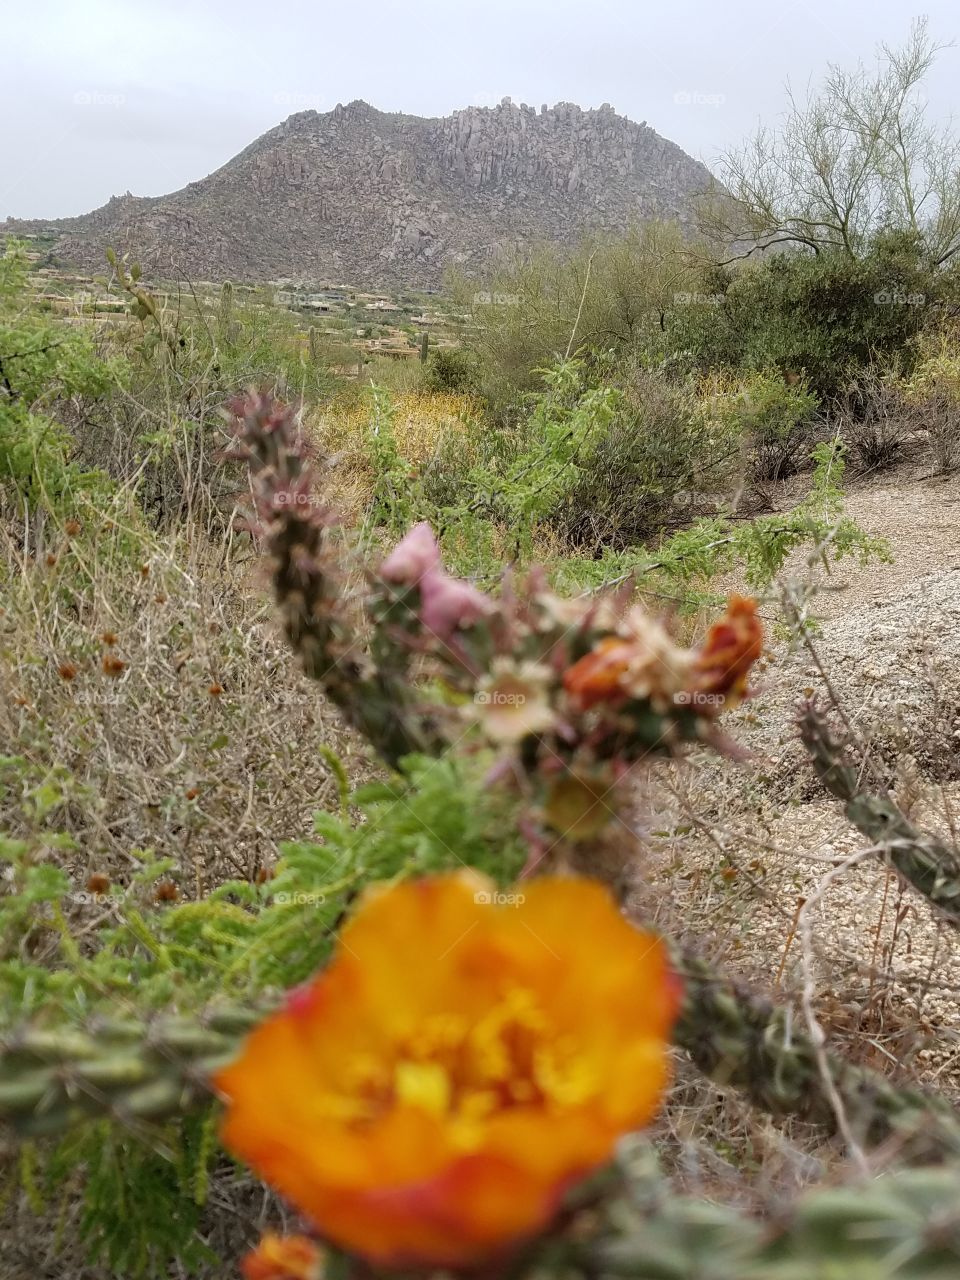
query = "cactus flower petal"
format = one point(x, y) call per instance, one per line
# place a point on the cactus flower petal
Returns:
point(733, 645)
point(414, 555)
point(448, 603)
point(284, 1258)
point(465, 1058)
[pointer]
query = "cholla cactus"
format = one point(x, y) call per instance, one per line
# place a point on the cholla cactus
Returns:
point(373, 690)
point(572, 693)
point(132, 1070)
point(924, 862)
point(353, 1119)
point(738, 1037)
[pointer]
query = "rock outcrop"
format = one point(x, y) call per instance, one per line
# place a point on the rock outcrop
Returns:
point(373, 198)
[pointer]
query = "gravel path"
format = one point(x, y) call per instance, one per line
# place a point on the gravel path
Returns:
point(754, 852)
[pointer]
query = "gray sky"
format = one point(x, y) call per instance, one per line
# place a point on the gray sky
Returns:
point(104, 96)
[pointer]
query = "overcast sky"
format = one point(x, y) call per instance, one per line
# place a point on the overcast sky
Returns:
point(103, 96)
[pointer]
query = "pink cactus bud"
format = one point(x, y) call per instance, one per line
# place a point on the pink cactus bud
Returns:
point(414, 555)
point(448, 603)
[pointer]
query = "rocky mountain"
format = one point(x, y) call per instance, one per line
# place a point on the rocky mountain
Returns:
point(367, 197)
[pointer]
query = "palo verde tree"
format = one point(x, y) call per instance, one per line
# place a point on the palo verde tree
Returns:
point(858, 157)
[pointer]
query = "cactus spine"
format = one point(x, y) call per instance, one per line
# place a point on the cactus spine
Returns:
point(925, 863)
point(51, 1078)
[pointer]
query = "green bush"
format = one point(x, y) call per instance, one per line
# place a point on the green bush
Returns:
point(654, 466)
point(820, 316)
point(450, 369)
point(771, 418)
point(49, 372)
point(610, 295)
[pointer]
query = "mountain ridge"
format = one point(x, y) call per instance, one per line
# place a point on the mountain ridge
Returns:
point(379, 198)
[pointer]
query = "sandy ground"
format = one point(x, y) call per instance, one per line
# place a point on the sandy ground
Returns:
point(758, 856)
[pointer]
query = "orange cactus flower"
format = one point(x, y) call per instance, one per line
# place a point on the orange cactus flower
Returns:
point(597, 676)
point(641, 662)
point(733, 645)
point(463, 1060)
point(284, 1258)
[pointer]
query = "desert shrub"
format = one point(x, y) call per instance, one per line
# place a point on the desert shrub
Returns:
point(875, 420)
point(50, 374)
point(934, 393)
point(401, 377)
point(770, 417)
point(597, 472)
point(436, 435)
point(822, 316)
point(858, 156)
point(608, 295)
point(660, 459)
point(684, 565)
point(186, 354)
point(450, 369)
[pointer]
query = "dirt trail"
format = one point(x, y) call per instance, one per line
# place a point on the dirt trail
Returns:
point(745, 846)
point(920, 519)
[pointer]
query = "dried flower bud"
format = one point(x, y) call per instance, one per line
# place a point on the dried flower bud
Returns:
point(67, 670)
point(215, 690)
point(72, 528)
point(109, 638)
point(97, 882)
point(51, 559)
point(283, 1258)
point(733, 645)
point(112, 665)
point(166, 891)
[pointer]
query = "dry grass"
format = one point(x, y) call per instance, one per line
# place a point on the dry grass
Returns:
point(421, 420)
point(158, 698)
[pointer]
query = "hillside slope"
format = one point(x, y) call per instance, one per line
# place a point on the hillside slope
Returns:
point(366, 197)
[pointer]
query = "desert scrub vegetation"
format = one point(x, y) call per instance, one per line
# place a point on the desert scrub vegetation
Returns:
point(130, 987)
point(362, 740)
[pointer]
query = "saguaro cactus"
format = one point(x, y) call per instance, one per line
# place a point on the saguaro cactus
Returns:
point(225, 322)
